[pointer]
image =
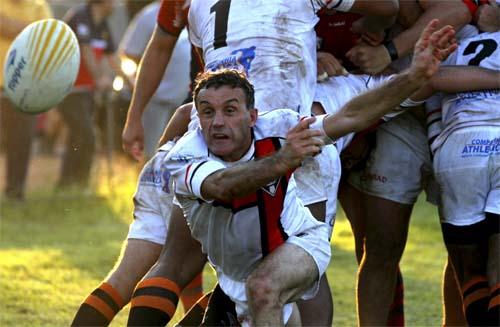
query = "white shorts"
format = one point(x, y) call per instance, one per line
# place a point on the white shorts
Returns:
point(467, 168)
point(152, 202)
point(400, 165)
point(314, 242)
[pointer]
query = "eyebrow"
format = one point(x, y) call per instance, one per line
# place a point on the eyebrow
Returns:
point(226, 102)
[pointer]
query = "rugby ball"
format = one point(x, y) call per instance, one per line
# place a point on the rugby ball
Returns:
point(41, 66)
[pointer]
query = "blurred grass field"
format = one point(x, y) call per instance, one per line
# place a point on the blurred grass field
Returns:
point(56, 248)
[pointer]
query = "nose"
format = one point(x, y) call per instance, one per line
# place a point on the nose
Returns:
point(218, 120)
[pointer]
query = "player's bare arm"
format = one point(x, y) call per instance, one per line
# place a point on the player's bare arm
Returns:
point(451, 79)
point(379, 15)
point(178, 124)
point(374, 59)
point(432, 47)
point(149, 75)
point(240, 180)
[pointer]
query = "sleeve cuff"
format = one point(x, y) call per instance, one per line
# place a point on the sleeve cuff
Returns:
point(200, 173)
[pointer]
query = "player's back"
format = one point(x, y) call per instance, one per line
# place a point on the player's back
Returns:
point(475, 108)
point(273, 41)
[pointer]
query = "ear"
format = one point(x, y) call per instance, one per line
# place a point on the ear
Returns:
point(254, 113)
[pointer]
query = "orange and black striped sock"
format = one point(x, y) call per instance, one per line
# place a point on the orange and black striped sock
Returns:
point(99, 307)
point(494, 306)
point(194, 317)
point(476, 296)
point(154, 302)
point(192, 292)
point(397, 309)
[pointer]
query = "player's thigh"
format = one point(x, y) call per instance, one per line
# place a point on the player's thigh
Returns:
point(493, 269)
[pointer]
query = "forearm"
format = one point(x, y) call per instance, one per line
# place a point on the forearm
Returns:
point(240, 180)
point(367, 108)
point(450, 79)
point(150, 72)
point(178, 124)
point(453, 13)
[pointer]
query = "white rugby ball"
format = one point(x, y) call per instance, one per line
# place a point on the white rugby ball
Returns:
point(41, 65)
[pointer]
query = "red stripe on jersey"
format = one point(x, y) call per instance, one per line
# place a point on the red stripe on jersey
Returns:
point(243, 203)
point(271, 203)
point(472, 5)
point(172, 17)
point(186, 182)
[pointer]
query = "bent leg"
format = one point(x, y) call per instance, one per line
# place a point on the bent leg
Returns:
point(282, 277)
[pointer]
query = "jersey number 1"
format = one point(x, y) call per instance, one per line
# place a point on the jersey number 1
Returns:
point(221, 9)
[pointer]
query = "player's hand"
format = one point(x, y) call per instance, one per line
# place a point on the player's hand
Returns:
point(432, 47)
point(133, 137)
point(488, 17)
point(301, 142)
point(371, 59)
point(329, 66)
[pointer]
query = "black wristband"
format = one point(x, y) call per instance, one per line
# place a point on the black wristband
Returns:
point(391, 49)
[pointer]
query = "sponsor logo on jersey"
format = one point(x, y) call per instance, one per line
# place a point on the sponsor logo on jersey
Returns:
point(158, 178)
point(470, 97)
point(240, 59)
point(14, 80)
point(481, 148)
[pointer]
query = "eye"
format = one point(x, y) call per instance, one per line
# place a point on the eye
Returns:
point(230, 110)
point(207, 112)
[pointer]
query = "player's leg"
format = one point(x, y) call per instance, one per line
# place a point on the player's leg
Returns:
point(494, 270)
point(386, 234)
point(469, 183)
point(289, 273)
point(281, 277)
point(155, 298)
point(453, 313)
point(77, 112)
point(18, 131)
point(318, 311)
point(100, 307)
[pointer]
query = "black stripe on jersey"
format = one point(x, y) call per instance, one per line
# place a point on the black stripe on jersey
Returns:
point(192, 174)
point(337, 5)
point(107, 299)
point(157, 292)
point(263, 223)
point(429, 123)
point(431, 140)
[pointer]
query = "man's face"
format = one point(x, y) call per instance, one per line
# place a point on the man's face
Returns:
point(225, 121)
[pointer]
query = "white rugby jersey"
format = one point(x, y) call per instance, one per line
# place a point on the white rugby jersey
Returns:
point(273, 41)
point(237, 235)
point(335, 92)
point(476, 108)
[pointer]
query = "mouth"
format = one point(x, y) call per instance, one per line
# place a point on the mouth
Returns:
point(219, 136)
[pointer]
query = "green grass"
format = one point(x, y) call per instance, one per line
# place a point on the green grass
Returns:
point(54, 250)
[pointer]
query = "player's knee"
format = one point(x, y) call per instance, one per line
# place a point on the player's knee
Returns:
point(387, 254)
point(262, 291)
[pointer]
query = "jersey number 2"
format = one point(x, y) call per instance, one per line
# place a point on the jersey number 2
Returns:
point(489, 46)
point(221, 9)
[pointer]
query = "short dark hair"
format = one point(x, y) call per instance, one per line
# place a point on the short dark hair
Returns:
point(229, 77)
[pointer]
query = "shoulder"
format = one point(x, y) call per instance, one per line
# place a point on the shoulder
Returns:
point(189, 148)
